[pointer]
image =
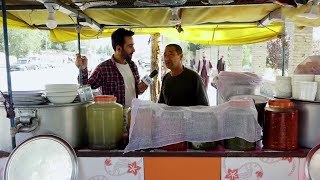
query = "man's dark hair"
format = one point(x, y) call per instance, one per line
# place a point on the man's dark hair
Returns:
point(177, 47)
point(117, 37)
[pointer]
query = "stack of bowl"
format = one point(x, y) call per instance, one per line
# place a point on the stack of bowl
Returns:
point(304, 87)
point(61, 93)
point(317, 79)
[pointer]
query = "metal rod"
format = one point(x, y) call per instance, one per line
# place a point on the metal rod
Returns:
point(106, 26)
point(79, 50)
point(217, 96)
point(6, 48)
point(125, 5)
point(283, 44)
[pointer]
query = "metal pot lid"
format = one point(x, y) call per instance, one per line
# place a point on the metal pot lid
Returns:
point(42, 157)
point(312, 167)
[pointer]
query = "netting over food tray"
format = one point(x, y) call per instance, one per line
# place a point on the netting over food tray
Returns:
point(155, 125)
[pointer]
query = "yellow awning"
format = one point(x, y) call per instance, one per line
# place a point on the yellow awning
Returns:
point(291, 14)
point(241, 27)
point(205, 34)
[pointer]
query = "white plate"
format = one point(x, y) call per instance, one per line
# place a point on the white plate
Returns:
point(61, 99)
point(59, 90)
point(38, 98)
point(25, 93)
point(27, 103)
point(61, 86)
point(62, 94)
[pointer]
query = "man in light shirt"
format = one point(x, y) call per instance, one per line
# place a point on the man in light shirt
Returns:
point(119, 75)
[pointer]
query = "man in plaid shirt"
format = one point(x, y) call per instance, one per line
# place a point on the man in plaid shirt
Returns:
point(119, 75)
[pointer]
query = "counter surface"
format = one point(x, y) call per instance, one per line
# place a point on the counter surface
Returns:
point(189, 153)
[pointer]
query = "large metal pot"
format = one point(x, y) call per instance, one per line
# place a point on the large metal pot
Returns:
point(67, 121)
point(309, 123)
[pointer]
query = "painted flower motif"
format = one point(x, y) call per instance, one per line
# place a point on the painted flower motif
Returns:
point(133, 168)
point(107, 162)
point(289, 159)
point(232, 174)
point(259, 174)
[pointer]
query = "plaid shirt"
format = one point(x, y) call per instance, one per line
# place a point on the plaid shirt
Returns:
point(108, 78)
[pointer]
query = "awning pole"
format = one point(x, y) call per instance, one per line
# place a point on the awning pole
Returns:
point(283, 44)
point(6, 48)
point(79, 50)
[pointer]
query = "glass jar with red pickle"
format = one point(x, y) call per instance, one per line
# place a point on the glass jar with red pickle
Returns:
point(280, 131)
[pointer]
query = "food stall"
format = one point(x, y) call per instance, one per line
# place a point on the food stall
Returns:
point(212, 23)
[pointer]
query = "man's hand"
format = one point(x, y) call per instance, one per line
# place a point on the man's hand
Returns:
point(142, 87)
point(81, 61)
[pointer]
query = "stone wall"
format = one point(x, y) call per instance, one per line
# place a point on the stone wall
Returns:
point(236, 57)
point(300, 45)
point(259, 53)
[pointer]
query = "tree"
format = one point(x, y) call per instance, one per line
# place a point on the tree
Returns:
point(22, 42)
point(194, 47)
point(274, 58)
point(246, 61)
point(105, 50)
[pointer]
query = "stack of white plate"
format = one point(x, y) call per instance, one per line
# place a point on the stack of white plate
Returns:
point(25, 97)
point(61, 93)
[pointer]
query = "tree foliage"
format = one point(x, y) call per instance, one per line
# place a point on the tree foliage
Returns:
point(24, 42)
point(107, 49)
point(194, 47)
point(274, 58)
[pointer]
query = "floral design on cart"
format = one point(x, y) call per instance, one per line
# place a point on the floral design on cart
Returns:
point(123, 166)
point(117, 168)
point(251, 168)
point(277, 160)
point(245, 171)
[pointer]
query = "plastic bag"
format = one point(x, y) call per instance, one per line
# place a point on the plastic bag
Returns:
point(236, 83)
point(309, 66)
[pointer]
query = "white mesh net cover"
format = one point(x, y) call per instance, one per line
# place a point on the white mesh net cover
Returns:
point(155, 125)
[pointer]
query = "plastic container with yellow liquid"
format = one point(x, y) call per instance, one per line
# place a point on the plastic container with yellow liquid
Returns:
point(105, 123)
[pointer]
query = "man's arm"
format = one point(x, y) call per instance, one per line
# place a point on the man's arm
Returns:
point(95, 79)
point(161, 98)
point(84, 76)
point(201, 94)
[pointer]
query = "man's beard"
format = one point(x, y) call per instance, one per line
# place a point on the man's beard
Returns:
point(126, 56)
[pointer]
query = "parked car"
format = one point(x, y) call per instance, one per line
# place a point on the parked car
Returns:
point(23, 65)
point(12, 60)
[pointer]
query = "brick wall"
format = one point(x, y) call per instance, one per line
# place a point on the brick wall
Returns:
point(259, 55)
point(300, 45)
point(236, 59)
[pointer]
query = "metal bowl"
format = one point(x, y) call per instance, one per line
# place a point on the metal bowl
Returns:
point(312, 167)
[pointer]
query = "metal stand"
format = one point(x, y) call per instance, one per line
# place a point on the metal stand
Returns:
point(11, 114)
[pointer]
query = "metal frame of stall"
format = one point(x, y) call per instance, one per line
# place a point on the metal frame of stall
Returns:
point(154, 65)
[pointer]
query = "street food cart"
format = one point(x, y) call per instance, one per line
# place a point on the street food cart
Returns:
point(212, 23)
